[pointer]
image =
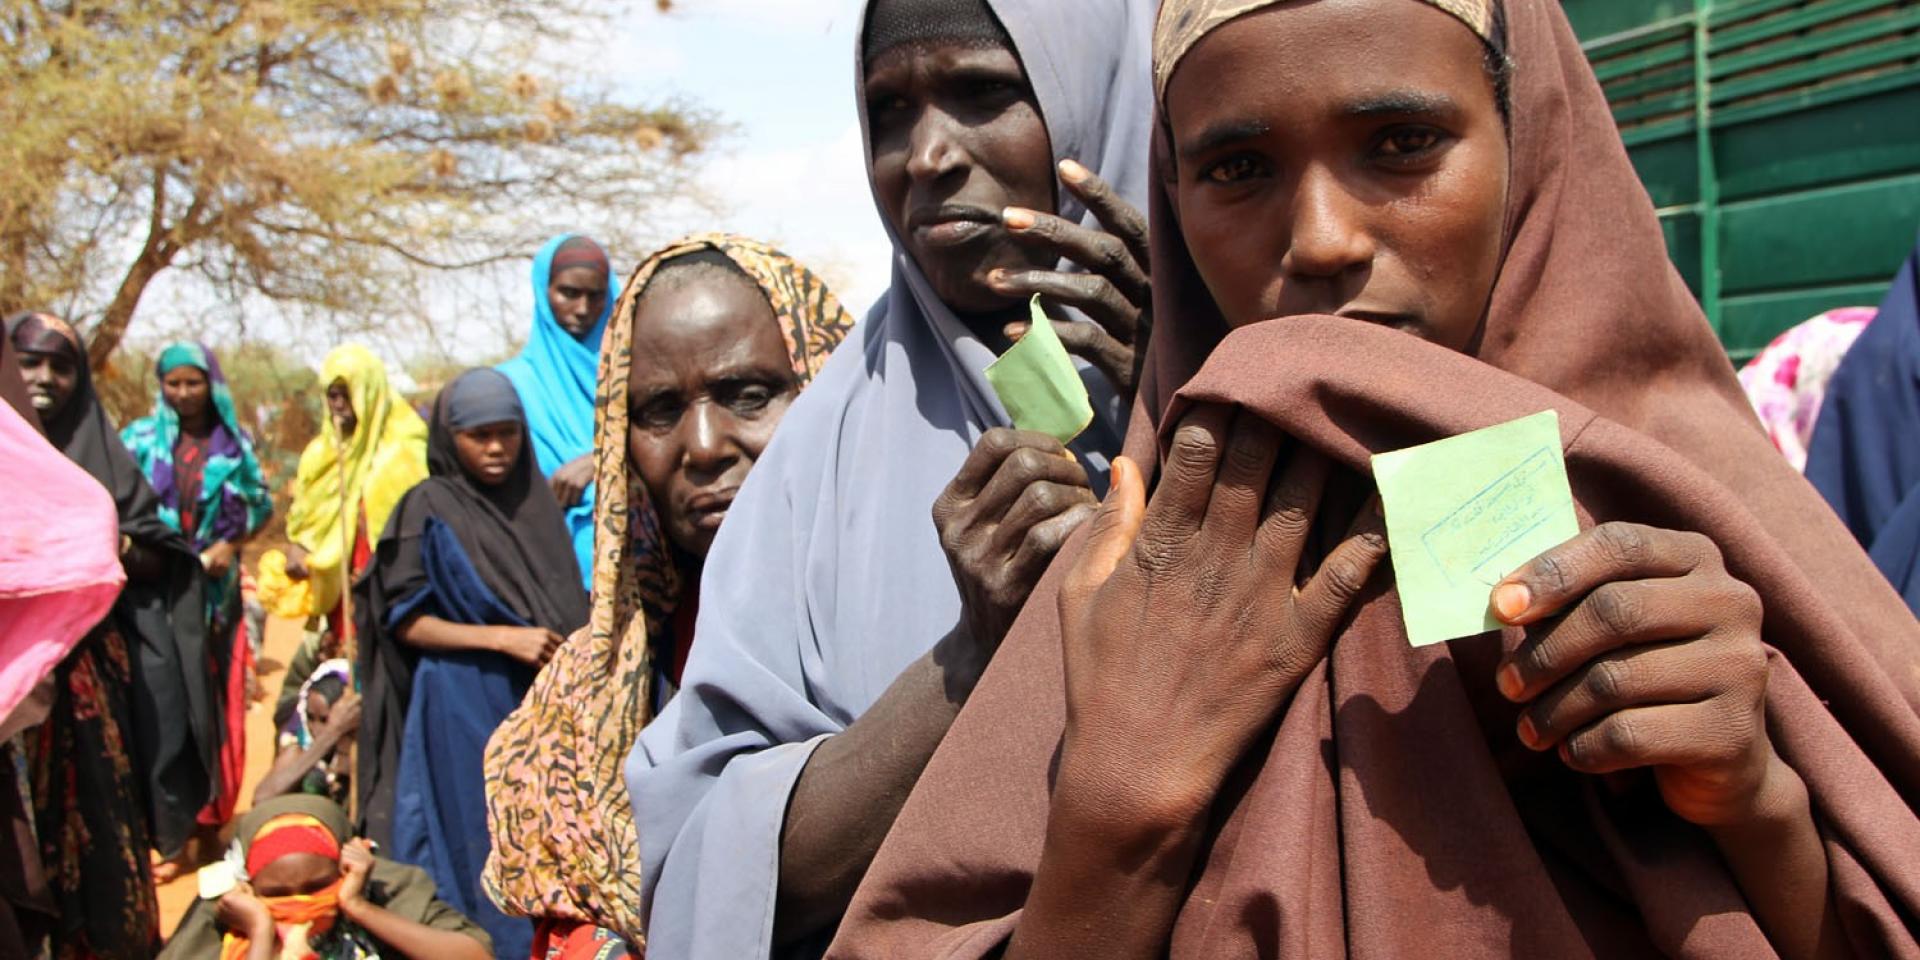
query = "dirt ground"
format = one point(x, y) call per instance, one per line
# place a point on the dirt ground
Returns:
point(283, 637)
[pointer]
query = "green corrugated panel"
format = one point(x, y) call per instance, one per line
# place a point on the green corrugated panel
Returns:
point(1593, 19)
point(1749, 323)
point(1858, 139)
point(1670, 170)
point(1853, 233)
point(1811, 164)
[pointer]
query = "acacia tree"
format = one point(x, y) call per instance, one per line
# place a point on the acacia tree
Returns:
point(323, 153)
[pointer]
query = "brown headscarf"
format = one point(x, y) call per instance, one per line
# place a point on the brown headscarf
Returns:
point(1393, 812)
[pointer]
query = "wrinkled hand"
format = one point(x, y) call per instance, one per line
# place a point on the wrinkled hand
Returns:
point(1007, 512)
point(571, 481)
point(297, 562)
point(1116, 292)
point(1643, 651)
point(218, 559)
point(1183, 630)
point(243, 913)
point(533, 646)
point(344, 718)
point(356, 862)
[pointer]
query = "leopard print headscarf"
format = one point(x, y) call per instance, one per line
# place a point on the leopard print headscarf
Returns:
point(564, 842)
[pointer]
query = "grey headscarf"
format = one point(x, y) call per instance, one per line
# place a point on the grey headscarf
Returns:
point(828, 579)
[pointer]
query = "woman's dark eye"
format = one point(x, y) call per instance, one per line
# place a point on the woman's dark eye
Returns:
point(660, 413)
point(1409, 142)
point(1233, 170)
point(750, 399)
point(986, 89)
point(885, 106)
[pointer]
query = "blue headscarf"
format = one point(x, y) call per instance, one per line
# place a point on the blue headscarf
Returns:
point(556, 377)
point(1864, 456)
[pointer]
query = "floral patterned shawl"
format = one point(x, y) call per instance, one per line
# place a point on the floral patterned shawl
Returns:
point(564, 844)
point(1787, 382)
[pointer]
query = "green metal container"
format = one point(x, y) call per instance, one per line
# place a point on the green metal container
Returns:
point(1780, 141)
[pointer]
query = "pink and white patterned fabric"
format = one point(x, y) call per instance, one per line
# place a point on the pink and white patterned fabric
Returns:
point(1787, 382)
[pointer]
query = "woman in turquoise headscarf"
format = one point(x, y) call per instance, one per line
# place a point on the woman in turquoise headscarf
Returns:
point(573, 293)
point(201, 463)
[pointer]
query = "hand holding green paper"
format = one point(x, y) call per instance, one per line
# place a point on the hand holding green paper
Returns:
point(1039, 385)
point(1464, 512)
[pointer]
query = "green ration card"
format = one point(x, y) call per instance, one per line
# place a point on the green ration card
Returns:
point(1464, 512)
point(1038, 384)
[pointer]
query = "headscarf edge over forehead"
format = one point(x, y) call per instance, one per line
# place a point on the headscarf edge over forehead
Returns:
point(36, 332)
point(575, 849)
point(481, 397)
point(579, 251)
point(320, 809)
point(900, 23)
point(1183, 22)
point(811, 322)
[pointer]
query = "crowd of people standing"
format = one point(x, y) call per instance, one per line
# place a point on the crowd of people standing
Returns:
point(575, 685)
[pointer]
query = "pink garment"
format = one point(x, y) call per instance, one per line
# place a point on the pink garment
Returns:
point(1787, 382)
point(59, 557)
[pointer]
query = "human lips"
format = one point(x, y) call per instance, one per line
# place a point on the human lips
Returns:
point(952, 224)
point(706, 510)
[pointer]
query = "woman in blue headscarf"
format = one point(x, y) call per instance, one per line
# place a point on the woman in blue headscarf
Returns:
point(573, 292)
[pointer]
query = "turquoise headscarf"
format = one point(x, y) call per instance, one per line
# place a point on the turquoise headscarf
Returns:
point(557, 377)
point(233, 500)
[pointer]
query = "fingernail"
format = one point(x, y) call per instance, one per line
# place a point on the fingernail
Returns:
point(1511, 600)
point(1017, 218)
point(1072, 172)
point(1509, 682)
point(996, 275)
point(1528, 735)
point(1015, 331)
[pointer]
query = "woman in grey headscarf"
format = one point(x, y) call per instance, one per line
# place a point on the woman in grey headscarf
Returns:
point(839, 630)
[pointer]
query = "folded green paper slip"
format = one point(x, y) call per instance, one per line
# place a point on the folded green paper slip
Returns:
point(1464, 512)
point(1039, 385)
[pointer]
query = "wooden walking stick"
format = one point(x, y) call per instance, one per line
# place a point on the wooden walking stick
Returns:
point(349, 642)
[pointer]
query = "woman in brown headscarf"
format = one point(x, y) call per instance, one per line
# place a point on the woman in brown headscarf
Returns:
point(1698, 735)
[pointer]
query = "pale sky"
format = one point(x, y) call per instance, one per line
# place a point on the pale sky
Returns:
point(782, 72)
point(779, 72)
